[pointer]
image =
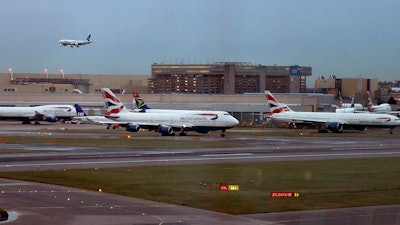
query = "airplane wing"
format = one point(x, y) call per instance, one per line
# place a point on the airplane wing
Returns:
point(151, 126)
point(97, 120)
point(40, 116)
point(44, 117)
point(315, 121)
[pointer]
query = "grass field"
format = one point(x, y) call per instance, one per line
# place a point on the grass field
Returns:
point(320, 184)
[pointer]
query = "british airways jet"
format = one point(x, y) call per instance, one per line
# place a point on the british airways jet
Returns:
point(167, 122)
point(76, 43)
point(48, 113)
point(325, 121)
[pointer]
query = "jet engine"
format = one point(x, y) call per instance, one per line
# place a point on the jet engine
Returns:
point(335, 127)
point(165, 130)
point(51, 119)
point(133, 128)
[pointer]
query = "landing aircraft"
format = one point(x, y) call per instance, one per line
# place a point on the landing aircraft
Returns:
point(76, 43)
point(167, 122)
point(326, 121)
point(48, 113)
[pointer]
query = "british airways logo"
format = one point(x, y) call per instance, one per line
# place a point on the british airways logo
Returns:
point(213, 115)
point(66, 108)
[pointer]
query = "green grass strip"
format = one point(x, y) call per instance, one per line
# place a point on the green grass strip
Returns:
point(320, 184)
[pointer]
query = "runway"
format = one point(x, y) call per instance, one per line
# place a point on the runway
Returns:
point(32, 200)
point(252, 149)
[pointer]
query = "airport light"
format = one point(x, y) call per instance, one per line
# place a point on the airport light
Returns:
point(10, 70)
point(62, 73)
point(45, 72)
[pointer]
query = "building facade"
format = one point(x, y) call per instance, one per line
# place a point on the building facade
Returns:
point(348, 87)
point(68, 83)
point(227, 78)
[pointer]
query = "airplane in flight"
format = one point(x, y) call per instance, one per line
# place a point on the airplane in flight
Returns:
point(48, 113)
point(167, 123)
point(76, 43)
point(329, 121)
point(382, 108)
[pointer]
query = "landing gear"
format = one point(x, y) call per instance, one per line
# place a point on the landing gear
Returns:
point(322, 129)
point(391, 131)
point(223, 133)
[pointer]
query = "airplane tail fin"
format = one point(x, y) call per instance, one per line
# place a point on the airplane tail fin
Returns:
point(140, 104)
point(340, 100)
point(88, 37)
point(79, 111)
point(352, 101)
point(369, 104)
point(274, 105)
point(113, 103)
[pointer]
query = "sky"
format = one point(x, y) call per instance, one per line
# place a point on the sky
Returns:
point(338, 37)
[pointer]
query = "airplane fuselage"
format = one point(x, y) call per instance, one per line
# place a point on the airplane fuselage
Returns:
point(201, 120)
point(72, 43)
point(382, 108)
point(38, 113)
point(347, 119)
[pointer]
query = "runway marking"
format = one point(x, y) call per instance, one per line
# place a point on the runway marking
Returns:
point(14, 184)
point(200, 159)
point(228, 154)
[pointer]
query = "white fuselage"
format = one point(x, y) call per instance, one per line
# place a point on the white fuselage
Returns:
point(382, 108)
point(37, 112)
point(203, 119)
point(351, 105)
point(351, 119)
point(73, 42)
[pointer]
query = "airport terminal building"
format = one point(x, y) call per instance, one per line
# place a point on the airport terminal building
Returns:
point(227, 78)
point(216, 78)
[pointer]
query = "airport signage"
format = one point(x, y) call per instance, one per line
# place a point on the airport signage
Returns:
point(282, 194)
point(229, 187)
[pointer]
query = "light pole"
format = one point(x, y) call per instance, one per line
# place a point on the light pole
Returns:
point(45, 72)
point(11, 74)
point(62, 73)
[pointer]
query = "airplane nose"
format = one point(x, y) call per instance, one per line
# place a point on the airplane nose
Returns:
point(235, 121)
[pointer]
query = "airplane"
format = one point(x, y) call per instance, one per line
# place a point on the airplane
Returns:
point(48, 113)
point(348, 107)
point(76, 43)
point(382, 108)
point(82, 117)
point(330, 121)
point(166, 122)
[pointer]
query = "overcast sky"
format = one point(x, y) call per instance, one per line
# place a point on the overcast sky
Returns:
point(340, 37)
